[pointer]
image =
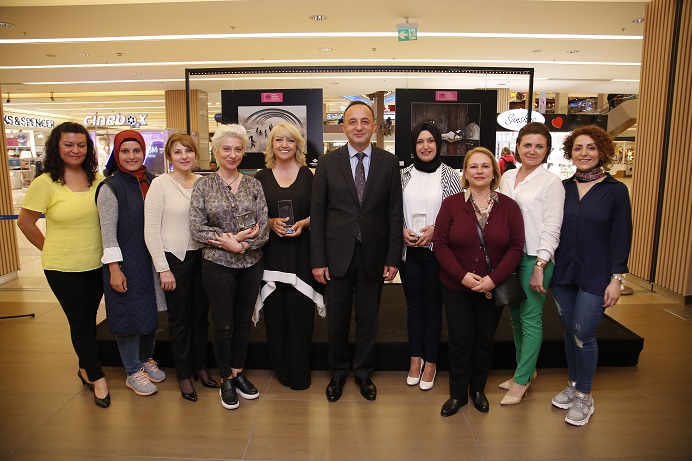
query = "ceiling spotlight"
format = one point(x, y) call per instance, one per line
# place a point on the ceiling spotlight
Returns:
point(572, 51)
point(326, 48)
point(6, 24)
point(638, 20)
point(86, 55)
point(318, 17)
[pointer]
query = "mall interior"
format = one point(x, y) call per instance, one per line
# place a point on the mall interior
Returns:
point(164, 66)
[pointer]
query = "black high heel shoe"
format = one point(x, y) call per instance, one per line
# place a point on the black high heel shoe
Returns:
point(210, 383)
point(191, 396)
point(85, 382)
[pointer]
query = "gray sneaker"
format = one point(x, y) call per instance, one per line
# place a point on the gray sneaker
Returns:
point(140, 383)
point(156, 375)
point(581, 410)
point(564, 399)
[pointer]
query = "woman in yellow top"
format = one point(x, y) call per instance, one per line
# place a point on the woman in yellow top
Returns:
point(71, 248)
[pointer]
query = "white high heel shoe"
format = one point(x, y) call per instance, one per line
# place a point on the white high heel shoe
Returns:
point(427, 385)
point(412, 381)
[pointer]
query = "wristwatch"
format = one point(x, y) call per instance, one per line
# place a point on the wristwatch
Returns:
point(619, 278)
point(242, 248)
point(540, 264)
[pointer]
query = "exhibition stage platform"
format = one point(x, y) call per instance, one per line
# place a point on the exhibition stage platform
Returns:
point(618, 346)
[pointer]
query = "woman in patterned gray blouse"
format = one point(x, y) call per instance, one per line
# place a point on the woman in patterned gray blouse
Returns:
point(228, 212)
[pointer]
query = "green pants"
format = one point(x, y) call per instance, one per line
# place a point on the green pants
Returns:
point(527, 320)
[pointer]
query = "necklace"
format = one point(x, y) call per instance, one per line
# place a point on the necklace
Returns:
point(231, 183)
point(482, 215)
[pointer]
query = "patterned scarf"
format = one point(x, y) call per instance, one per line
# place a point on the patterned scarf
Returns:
point(590, 175)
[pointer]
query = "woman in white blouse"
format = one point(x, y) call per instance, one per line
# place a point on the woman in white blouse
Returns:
point(541, 197)
point(178, 260)
point(425, 184)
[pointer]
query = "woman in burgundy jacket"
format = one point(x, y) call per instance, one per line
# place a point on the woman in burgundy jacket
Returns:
point(472, 318)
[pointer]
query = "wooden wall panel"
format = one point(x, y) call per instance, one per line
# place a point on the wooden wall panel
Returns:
point(675, 252)
point(674, 255)
point(9, 252)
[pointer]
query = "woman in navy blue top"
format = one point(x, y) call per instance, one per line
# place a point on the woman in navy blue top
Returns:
point(590, 262)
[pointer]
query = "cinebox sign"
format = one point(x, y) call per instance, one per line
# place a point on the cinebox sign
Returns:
point(29, 122)
point(515, 119)
point(116, 120)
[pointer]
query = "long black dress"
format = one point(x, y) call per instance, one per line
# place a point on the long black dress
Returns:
point(289, 291)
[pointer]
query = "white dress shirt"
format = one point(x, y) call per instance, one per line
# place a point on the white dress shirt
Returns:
point(541, 197)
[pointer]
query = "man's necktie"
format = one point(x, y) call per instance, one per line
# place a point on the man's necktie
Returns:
point(360, 184)
point(360, 177)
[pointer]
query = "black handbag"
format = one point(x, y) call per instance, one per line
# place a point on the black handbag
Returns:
point(509, 291)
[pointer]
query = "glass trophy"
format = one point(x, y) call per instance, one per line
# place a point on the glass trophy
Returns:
point(286, 211)
point(419, 222)
point(246, 220)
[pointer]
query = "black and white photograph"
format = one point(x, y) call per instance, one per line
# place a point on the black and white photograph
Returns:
point(259, 121)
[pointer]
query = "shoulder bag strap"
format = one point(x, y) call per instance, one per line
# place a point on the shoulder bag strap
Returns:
point(485, 252)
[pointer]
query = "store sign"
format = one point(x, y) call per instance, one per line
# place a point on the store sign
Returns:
point(515, 119)
point(446, 95)
point(272, 97)
point(116, 120)
point(30, 122)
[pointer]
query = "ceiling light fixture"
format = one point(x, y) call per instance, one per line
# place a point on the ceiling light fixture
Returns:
point(6, 24)
point(318, 17)
point(572, 51)
point(638, 20)
point(85, 55)
point(325, 49)
point(301, 35)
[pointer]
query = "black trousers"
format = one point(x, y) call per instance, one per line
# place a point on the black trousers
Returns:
point(472, 321)
point(340, 294)
point(188, 311)
point(232, 294)
point(289, 317)
point(79, 294)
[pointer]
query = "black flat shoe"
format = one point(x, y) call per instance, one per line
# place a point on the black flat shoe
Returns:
point(480, 401)
point(210, 383)
point(192, 396)
point(367, 388)
point(335, 389)
point(452, 406)
point(104, 402)
point(85, 382)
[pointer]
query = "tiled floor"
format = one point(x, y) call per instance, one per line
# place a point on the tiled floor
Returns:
point(642, 413)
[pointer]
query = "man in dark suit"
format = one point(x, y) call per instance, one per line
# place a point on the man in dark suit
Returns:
point(356, 239)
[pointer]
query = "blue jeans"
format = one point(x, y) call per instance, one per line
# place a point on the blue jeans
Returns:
point(135, 350)
point(420, 280)
point(581, 312)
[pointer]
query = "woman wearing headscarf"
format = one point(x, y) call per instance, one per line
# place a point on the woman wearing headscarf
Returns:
point(131, 285)
point(425, 183)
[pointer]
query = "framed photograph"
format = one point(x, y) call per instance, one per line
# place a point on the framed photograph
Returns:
point(466, 119)
point(260, 110)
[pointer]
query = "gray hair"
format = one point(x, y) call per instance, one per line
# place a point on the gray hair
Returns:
point(229, 131)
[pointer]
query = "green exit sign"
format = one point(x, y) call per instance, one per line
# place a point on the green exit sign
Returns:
point(407, 31)
point(408, 34)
